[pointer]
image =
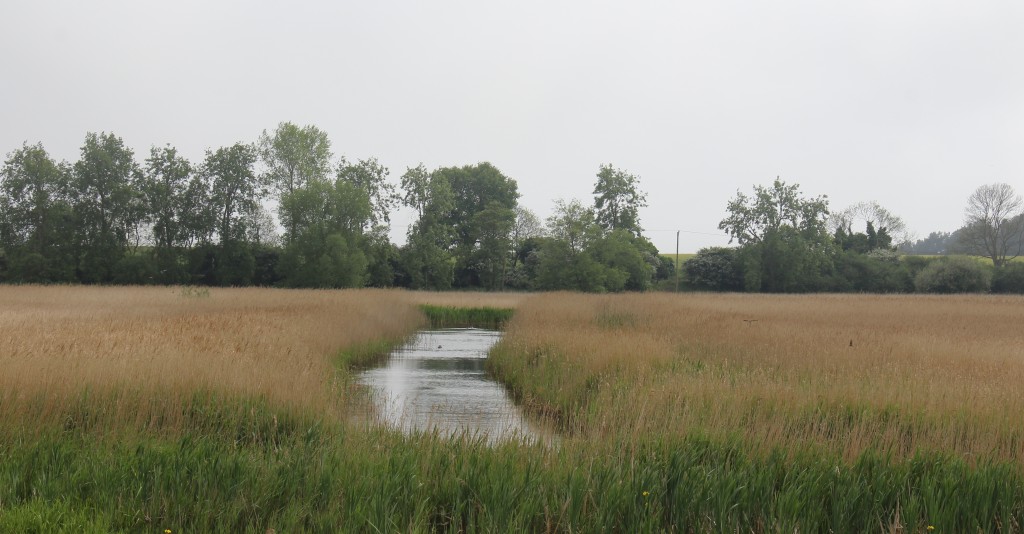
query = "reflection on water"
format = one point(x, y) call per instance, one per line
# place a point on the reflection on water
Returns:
point(438, 382)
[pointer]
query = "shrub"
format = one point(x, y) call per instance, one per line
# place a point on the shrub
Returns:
point(1009, 279)
point(878, 271)
point(714, 269)
point(954, 274)
point(139, 269)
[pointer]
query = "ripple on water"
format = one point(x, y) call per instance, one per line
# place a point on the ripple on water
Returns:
point(437, 383)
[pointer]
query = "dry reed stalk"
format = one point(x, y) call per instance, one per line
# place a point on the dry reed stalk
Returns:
point(893, 374)
point(164, 345)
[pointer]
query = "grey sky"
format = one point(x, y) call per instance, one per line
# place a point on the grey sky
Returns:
point(913, 104)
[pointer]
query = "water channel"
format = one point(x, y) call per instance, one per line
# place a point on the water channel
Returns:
point(437, 382)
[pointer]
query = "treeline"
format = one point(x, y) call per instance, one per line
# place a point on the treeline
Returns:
point(790, 244)
point(108, 218)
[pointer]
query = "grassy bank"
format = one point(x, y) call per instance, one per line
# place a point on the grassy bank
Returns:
point(319, 478)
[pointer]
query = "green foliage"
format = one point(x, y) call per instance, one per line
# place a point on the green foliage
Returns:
point(382, 258)
point(454, 317)
point(1009, 278)
point(879, 271)
point(559, 267)
point(617, 200)
point(714, 269)
point(425, 259)
point(786, 261)
point(865, 242)
point(573, 223)
point(954, 274)
point(37, 221)
point(580, 256)
point(174, 202)
point(234, 265)
point(234, 190)
point(108, 204)
point(370, 177)
point(479, 220)
point(784, 243)
point(491, 257)
point(135, 269)
point(622, 252)
point(293, 157)
point(331, 261)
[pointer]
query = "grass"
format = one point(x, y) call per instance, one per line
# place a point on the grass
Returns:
point(850, 374)
point(144, 409)
point(456, 317)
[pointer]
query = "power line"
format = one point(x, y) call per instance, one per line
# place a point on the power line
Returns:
point(686, 232)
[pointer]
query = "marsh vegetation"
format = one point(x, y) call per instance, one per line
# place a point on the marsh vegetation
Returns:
point(153, 408)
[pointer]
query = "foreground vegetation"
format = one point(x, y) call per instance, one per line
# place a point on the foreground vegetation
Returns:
point(235, 410)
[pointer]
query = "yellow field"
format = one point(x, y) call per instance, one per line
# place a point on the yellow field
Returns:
point(891, 374)
point(894, 374)
point(152, 348)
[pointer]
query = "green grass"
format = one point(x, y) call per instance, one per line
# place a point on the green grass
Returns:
point(327, 477)
point(454, 317)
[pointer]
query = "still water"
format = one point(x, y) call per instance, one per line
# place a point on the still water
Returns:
point(437, 382)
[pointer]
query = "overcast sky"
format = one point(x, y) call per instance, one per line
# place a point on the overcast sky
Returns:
point(913, 104)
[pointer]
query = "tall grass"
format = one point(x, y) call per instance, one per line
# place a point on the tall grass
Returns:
point(892, 375)
point(147, 350)
point(456, 317)
point(142, 410)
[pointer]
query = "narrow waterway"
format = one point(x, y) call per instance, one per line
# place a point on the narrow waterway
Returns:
point(437, 382)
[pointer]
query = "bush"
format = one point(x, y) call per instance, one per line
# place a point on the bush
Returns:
point(878, 271)
point(135, 269)
point(1009, 279)
point(954, 274)
point(714, 269)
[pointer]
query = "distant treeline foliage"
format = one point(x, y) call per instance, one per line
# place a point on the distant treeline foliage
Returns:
point(108, 218)
point(111, 219)
point(784, 247)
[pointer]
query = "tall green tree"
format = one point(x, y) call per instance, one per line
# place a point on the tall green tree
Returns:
point(235, 195)
point(165, 188)
point(617, 200)
point(108, 205)
point(492, 256)
point(328, 248)
point(474, 189)
point(294, 156)
point(784, 241)
point(426, 259)
point(573, 223)
point(36, 220)
point(564, 261)
point(372, 178)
